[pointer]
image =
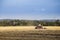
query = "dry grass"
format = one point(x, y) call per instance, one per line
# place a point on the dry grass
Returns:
point(29, 33)
point(26, 28)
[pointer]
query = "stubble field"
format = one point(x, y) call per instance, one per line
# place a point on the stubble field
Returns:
point(29, 33)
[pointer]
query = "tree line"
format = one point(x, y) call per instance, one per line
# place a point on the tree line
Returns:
point(28, 23)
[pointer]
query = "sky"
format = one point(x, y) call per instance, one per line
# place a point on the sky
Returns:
point(30, 9)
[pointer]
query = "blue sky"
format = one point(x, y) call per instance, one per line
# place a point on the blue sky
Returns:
point(30, 9)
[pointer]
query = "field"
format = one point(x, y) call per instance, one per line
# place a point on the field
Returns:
point(29, 33)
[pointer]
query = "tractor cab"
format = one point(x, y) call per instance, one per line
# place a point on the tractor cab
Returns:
point(39, 26)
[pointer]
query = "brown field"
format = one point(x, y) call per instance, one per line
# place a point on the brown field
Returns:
point(29, 33)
